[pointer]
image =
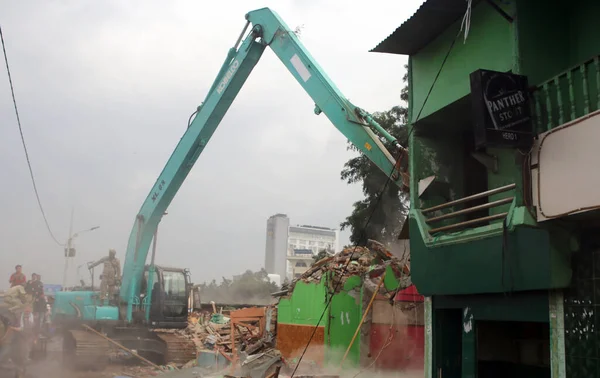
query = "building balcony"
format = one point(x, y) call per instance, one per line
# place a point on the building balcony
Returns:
point(568, 96)
point(495, 240)
point(567, 121)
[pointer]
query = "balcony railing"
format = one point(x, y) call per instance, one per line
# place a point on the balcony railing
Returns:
point(567, 96)
point(431, 220)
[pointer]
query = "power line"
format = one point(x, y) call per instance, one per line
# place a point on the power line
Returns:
point(12, 91)
point(437, 75)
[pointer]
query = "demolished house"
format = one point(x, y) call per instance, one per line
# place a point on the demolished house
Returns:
point(358, 308)
point(360, 287)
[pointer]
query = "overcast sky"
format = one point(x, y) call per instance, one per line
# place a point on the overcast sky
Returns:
point(105, 89)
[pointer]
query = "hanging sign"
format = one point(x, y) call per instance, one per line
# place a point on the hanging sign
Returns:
point(501, 110)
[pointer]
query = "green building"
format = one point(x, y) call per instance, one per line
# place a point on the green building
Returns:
point(504, 231)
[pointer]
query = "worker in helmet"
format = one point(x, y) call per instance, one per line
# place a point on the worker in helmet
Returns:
point(111, 276)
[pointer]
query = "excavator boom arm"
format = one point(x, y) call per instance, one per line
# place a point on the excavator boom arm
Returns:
point(267, 29)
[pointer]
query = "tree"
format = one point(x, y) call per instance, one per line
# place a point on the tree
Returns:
point(381, 213)
point(248, 288)
point(321, 255)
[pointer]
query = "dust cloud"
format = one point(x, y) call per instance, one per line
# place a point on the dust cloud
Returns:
point(332, 368)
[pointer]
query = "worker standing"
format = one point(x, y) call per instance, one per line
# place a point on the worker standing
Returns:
point(39, 298)
point(111, 275)
point(17, 278)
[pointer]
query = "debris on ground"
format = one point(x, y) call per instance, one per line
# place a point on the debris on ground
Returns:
point(241, 342)
point(239, 338)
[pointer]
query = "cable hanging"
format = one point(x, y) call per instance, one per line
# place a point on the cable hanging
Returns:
point(12, 91)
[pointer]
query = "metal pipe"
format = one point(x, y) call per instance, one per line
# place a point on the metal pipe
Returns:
point(471, 209)
point(237, 43)
point(468, 223)
point(230, 55)
point(470, 198)
point(378, 127)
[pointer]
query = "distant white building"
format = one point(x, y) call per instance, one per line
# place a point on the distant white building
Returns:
point(276, 244)
point(306, 241)
point(275, 278)
point(289, 249)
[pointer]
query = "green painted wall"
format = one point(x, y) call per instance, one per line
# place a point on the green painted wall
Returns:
point(570, 36)
point(581, 319)
point(345, 318)
point(307, 303)
point(530, 261)
point(489, 45)
point(570, 40)
point(584, 30)
point(542, 58)
point(533, 306)
point(305, 306)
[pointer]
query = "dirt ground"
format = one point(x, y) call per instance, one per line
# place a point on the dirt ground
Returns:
point(51, 367)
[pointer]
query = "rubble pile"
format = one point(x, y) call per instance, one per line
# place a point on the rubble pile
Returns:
point(369, 262)
point(211, 332)
point(244, 338)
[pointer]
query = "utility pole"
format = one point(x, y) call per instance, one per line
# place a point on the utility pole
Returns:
point(69, 250)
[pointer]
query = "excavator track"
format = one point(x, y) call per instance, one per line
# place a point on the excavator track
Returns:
point(180, 349)
point(84, 350)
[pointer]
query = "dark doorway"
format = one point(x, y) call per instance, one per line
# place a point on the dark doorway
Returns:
point(513, 349)
point(448, 343)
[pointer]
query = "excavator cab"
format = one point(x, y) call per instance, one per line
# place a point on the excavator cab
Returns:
point(169, 296)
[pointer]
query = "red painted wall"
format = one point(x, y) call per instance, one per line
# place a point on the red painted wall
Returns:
point(405, 348)
point(410, 294)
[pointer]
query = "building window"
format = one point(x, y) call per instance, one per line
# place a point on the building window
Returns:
point(301, 264)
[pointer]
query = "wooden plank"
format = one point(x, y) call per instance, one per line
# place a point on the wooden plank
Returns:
point(251, 312)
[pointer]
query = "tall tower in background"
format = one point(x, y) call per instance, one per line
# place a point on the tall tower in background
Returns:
point(276, 245)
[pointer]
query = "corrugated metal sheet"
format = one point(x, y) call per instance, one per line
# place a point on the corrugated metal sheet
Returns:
point(429, 21)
